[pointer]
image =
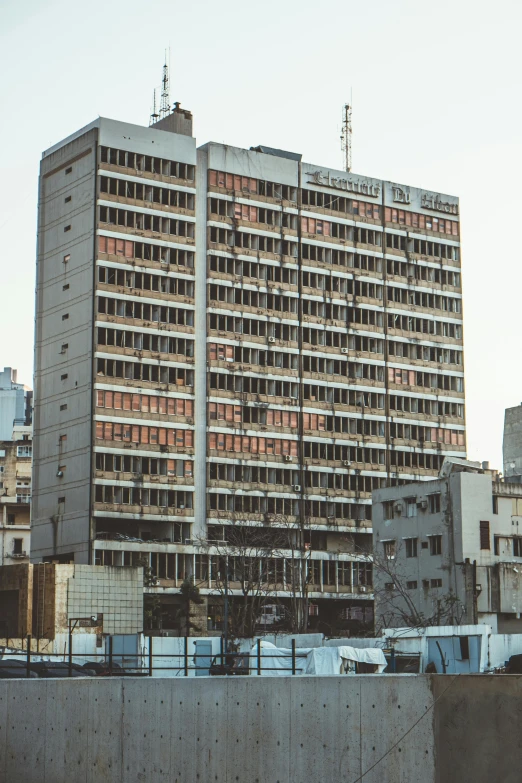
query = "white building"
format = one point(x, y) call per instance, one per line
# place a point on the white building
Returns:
point(449, 551)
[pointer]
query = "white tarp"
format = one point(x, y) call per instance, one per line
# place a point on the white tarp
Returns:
point(319, 660)
point(372, 655)
point(323, 660)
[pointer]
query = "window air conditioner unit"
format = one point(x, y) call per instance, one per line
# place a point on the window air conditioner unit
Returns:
point(362, 588)
point(288, 458)
point(346, 463)
point(344, 350)
point(398, 507)
point(297, 488)
point(422, 504)
point(271, 339)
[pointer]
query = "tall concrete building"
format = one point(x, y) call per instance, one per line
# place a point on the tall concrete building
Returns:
point(15, 403)
point(512, 444)
point(234, 344)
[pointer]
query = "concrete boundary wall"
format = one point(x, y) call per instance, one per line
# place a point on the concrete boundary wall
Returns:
point(436, 729)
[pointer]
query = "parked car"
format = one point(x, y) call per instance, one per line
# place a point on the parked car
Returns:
point(234, 664)
point(101, 668)
point(59, 669)
point(271, 616)
point(10, 669)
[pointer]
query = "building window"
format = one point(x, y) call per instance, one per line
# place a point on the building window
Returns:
point(411, 585)
point(11, 519)
point(389, 586)
point(484, 535)
point(24, 451)
point(411, 547)
point(68, 170)
point(65, 316)
point(65, 287)
point(63, 407)
point(435, 545)
point(17, 546)
point(64, 377)
point(434, 503)
point(67, 228)
point(517, 547)
point(464, 648)
point(389, 549)
point(495, 504)
point(411, 507)
point(436, 583)
point(388, 509)
point(424, 545)
point(67, 199)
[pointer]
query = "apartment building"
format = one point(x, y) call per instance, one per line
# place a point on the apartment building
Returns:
point(234, 348)
point(449, 551)
point(15, 496)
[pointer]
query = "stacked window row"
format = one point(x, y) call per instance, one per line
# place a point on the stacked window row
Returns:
point(141, 221)
point(136, 433)
point(143, 371)
point(143, 191)
point(144, 403)
point(144, 281)
point(138, 162)
point(175, 499)
point(145, 251)
point(141, 311)
point(144, 466)
point(175, 346)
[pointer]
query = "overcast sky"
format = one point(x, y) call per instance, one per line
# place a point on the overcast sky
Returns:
point(436, 94)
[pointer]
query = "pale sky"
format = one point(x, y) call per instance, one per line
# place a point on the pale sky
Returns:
point(436, 94)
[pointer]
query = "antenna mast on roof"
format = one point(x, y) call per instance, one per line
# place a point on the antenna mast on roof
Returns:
point(346, 136)
point(154, 117)
point(165, 93)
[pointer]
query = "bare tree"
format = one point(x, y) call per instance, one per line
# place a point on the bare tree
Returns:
point(394, 600)
point(297, 553)
point(248, 567)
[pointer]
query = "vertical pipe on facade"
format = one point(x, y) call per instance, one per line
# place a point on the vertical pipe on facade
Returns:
point(302, 510)
point(92, 536)
point(387, 424)
point(201, 376)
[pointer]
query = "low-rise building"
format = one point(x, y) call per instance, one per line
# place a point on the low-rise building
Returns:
point(15, 495)
point(449, 551)
point(46, 599)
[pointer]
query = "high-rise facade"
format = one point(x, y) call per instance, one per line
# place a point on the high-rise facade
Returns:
point(234, 348)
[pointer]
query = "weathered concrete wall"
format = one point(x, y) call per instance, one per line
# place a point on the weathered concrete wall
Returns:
point(431, 729)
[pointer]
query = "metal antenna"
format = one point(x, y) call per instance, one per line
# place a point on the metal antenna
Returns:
point(165, 95)
point(154, 117)
point(346, 136)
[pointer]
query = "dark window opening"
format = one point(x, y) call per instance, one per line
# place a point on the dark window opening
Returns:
point(484, 535)
point(464, 648)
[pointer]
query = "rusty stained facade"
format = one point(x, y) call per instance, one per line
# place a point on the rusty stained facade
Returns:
point(263, 343)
